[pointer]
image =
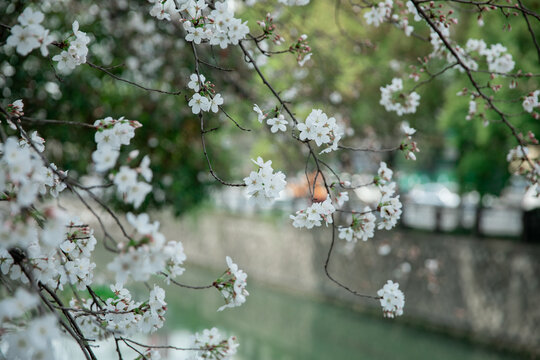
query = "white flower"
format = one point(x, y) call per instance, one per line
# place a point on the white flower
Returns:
point(125, 179)
point(195, 81)
point(195, 34)
point(199, 103)
point(322, 129)
point(144, 168)
point(30, 17)
point(18, 106)
point(379, 13)
point(142, 223)
point(392, 299)
point(23, 39)
point(384, 172)
point(260, 115)
point(314, 214)
point(232, 286)
point(212, 345)
point(163, 10)
point(346, 233)
point(304, 59)
point(137, 193)
point(104, 159)
point(277, 124)
point(407, 130)
point(265, 185)
point(531, 101)
point(342, 198)
point(394, 100)
point(65, 61)
point(364, 225)
point(45, 40)
point(412, 9)
point(497, 58)
point(157, 299)
point(216, 101)
point(476, 45)
point(390, 210)
point(76, 53)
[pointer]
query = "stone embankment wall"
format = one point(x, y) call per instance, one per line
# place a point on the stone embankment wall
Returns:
point(487, 289)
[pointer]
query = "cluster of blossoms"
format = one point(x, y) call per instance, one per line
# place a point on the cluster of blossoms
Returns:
point(409, 147)
point(77, 251)
point(362, 227)
point(321, 129)
point(17, 109)
point(34, 340)
point(393, 99)
point(29, 34)
point(531, 101)
point(205, 97)
point(497, 58)
point(232, 286)
point(265, 185)
point(379, 13)
point(111, 134)
point(56, 248)
point(392, 299)
point(384, 12)
point(213, 346)
point(74, 50)
point(59, 253)
point(389, 206)
point(315, 214)
point(23, 176)
point(149, 254)
point(217, 26)
point(120, 315)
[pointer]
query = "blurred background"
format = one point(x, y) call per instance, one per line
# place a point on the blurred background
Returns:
point(466, 252)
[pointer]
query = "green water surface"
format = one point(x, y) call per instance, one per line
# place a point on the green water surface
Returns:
point(274, 325)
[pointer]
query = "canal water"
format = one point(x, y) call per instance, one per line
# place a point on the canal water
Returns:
point(275, 325)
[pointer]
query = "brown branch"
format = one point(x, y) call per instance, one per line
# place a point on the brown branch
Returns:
point(530, 30)
point(57, 122)
point(369, 149)
point(187, 286)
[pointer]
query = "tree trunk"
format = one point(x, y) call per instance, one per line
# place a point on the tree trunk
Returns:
point(478, 218)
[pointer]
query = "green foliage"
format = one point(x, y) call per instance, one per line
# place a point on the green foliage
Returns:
point(355, 60)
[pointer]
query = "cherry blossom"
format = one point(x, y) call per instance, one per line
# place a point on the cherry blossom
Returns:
point(264, 185)
point(392, 299)
point(232, 286)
